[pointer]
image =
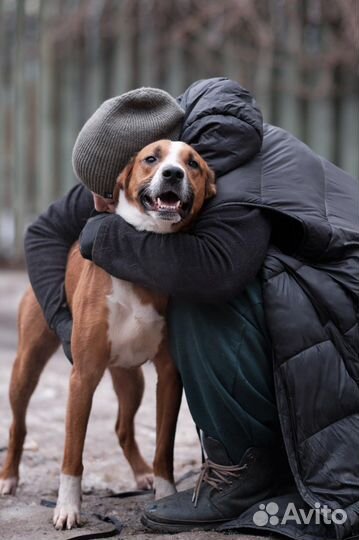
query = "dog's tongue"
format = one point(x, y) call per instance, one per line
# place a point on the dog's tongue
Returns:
point(162, 205)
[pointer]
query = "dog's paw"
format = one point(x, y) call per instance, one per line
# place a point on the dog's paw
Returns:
point(67, 511)
point(66, 516)
point(163, 488)
point(144, 481)
point(8, 485)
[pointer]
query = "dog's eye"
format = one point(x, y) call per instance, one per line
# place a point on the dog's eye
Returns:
point(193, 163)
point(150, 159)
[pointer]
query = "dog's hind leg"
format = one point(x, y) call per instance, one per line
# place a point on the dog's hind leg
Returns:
point(129, 387)
point(36, 344)
point(169, 394)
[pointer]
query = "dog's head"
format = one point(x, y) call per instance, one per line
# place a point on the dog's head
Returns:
point(164, 187)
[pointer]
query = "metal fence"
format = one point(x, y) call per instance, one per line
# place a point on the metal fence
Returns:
point(61, 59)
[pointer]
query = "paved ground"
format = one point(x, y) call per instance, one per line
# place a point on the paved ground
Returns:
point(22, 517)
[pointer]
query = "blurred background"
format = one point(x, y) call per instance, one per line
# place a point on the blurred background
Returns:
point(59, 59)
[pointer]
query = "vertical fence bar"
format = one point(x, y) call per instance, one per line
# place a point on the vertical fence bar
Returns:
point(289, 76)
point(263, 81)
point(175, 84)
point(8, 31)
point(320, 121)
point(93, 48)
point(19, 187)
point(321, 126)
point(6, 157)
point(231, 66)
point(69, 99)
point(34, 182)
point(134, 49)
point(44, 188)
point(147, 26)
point(121, 80)
point(2, 123)
point(349, 122)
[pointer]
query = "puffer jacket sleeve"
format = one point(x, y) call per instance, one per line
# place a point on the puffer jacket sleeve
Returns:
point(222, 122)
point(213, 262)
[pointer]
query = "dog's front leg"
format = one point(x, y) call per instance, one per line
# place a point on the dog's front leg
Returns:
point(83, 383)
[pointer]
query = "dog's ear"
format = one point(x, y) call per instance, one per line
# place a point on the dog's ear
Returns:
point(124, 177)
point(210, 183)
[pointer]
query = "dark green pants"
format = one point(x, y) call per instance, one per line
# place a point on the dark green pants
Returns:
point(223, 353)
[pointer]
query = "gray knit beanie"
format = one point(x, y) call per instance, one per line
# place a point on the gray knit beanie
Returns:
point(119, 128)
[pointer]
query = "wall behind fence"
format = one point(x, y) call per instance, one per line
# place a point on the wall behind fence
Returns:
point(61, 59)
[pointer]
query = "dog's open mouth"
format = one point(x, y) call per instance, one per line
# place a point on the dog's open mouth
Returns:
point(168, 204)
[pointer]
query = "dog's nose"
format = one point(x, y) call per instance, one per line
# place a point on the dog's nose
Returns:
point(173, 173)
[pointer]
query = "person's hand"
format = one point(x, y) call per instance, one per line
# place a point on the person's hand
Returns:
point(89, 233)
point(63, 329)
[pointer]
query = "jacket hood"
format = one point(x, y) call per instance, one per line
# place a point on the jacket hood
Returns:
point(222, 122)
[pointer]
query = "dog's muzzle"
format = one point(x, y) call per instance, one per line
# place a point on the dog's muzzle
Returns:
point(171, 197)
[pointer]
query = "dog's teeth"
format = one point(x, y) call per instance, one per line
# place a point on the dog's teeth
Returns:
point(167, 206)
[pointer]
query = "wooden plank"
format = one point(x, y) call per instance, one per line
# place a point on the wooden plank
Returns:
point(2, 110)
point(350, 140)
point(348, 120)
point(288, 104)
point(5, 237)
point(134, 40)
point(32, 67)
point(93, 54)
point(19, 183)
point(8, 35)
point(69, 99)
point(146, 37)
point(288, 71)
point(122, 78)
point(45, 179)
point(263, 82)
point(321, 126)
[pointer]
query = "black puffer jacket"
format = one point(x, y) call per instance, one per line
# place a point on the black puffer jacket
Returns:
point(310, 279)
point(311, 292)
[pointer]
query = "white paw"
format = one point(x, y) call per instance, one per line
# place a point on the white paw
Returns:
point(67, 511)
point(8, 485)
point(66, 517)
point(144, 481)
point(163, 488)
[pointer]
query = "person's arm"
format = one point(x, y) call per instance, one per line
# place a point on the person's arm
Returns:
point(217, 259)
point(47, 244)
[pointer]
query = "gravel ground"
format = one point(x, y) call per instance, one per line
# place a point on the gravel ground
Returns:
point(106, 470)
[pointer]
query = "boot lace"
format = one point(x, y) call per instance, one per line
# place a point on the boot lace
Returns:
point(215, 475)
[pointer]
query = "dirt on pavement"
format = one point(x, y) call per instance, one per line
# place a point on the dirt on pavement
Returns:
point(106, 471)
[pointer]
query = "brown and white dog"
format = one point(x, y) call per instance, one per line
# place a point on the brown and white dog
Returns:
point(116, 325)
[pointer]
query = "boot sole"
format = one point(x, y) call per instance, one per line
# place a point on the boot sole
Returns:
point(162, 527)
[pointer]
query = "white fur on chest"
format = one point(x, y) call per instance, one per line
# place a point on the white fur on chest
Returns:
point(135, 330)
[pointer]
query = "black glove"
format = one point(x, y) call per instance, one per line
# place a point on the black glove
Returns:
point(62, 326)
point(89, 233)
